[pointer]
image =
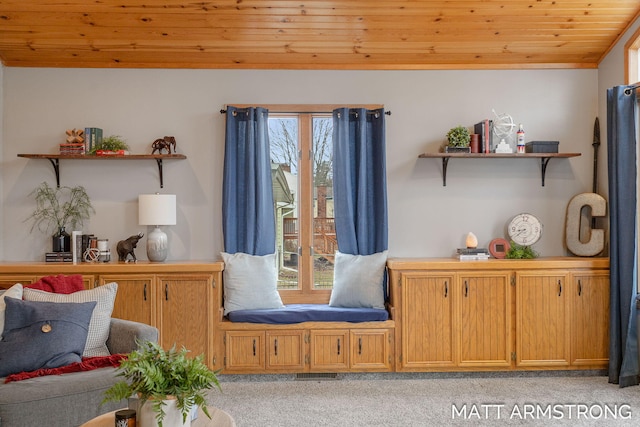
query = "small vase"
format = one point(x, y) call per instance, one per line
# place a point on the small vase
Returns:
point(172, 418)
point(475, 143)
point(61, 241)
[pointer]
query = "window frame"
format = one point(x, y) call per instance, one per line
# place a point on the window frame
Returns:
point(631, 64)
point(305, 293)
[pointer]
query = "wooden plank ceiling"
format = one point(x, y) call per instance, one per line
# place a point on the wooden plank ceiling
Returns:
point(311, 34)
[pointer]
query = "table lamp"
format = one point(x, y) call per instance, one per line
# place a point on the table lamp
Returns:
point(157, 209)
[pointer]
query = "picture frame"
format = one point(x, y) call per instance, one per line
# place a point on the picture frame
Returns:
point(499, 247)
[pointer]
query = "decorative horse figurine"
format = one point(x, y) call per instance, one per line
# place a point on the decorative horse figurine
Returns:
point(164, 144)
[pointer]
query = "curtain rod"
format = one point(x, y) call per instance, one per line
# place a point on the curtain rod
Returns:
point(631, 88)
point(388, 113)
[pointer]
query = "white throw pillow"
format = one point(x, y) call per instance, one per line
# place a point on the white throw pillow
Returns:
point(100, 322)
point(13, 292)
point(250, 282)
point(357, 280)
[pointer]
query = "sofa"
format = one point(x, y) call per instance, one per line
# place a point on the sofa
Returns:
point(74, 398)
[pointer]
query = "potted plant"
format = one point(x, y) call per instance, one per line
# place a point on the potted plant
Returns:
point(58, 208)
point(167, 383)
point(458, 139)
point(111, 145)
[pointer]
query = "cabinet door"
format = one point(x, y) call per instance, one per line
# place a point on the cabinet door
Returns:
point(8, 280)
point(285, 351)
point(371, 350)
point(428, 303)
point(244, 351)
point(89, 281)
point(485, 328)
point(590, 319)
point(134, 298)
point(542, 324)
point(329, 350)
point(185, 314)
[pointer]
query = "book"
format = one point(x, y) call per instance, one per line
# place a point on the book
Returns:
point(472, 251)
point(85, 245)
point(92, 138)
point(87, 140)
point(76, 246)
point(484, 128)
point(473, 257)
point(58, 257)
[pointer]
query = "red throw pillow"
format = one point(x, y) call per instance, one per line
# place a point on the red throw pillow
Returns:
point(59, 284)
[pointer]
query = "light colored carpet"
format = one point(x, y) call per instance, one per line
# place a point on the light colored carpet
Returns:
point(429, 400)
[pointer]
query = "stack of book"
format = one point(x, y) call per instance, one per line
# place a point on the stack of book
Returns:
point(72, 149)
point(484, 128)
point(473, 254)
point(58, 257)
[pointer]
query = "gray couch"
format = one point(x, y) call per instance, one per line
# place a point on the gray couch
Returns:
point(70, 399)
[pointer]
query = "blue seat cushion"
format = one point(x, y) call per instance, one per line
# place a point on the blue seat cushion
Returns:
point(297, 313)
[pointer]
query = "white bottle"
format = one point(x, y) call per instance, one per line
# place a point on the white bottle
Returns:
point(520, 134)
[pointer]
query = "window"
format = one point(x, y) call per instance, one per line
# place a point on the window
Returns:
point(301, 140)
point(301, 158)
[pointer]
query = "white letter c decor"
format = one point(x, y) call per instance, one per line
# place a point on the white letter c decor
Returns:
point(595, 244)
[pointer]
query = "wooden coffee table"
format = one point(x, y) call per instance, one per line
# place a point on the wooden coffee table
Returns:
point(219, 418)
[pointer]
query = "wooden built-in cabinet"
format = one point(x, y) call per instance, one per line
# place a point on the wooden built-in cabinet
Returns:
point(589, 296)
point(454, 320)
point(307, 347)
point(176, 297)
point(542, 319)
point(547, 313)
point(446, 315)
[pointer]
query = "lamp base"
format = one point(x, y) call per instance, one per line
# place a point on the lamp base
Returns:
point(157, 245)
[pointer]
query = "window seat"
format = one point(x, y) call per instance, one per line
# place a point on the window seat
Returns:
point(298, 313)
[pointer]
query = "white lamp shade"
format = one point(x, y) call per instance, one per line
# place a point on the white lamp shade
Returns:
point(157, 209)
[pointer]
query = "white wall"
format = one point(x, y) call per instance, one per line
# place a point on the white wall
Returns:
point(426, 219)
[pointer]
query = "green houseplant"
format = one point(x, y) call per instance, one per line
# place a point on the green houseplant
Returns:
point(458, 139)
point(58, 208)
point(112, 143)
point(517, 251)
point(156, 375)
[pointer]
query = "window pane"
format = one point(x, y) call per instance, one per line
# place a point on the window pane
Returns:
point(324, 231)
point(283, 139)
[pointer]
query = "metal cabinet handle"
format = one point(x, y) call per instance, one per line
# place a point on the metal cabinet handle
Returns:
point(559, 288)
point(338, 346)
point(446, 288)
point(579, 288)
point(144, 292)
point(254, 347)
point(466, 288)
point(360, 345)
point(166, 291)
point(275, 346)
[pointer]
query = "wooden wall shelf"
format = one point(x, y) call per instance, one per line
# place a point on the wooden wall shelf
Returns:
point(55, 160)
point(544, 159)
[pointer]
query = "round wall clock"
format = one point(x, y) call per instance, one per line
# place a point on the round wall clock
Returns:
point(525, 229)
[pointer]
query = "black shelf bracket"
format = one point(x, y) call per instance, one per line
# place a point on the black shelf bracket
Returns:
point(160, 172)
point(445, 163)
point(56, 168)
point(543, 162)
